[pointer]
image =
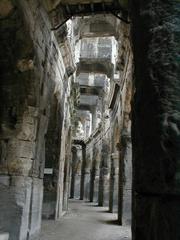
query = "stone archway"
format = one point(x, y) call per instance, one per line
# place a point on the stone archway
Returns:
point(52, 153)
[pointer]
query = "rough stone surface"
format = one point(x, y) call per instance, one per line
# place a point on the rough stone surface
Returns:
point(156, 119)
point(33, 69)
point(67, 85)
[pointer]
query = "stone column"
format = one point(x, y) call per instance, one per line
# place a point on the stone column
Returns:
point(83, 167)
point(125, 180)
point(101, 187)
point(113, 186)
point(78, 173)
point(96, 182)
point(156, 120)
point(87, 174)
point(92, 178)
point(73, 172)
point(103, 174)
point(21, 193)
point(87, 183)
point(66, 182)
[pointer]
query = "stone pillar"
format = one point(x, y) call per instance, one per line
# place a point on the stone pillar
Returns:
point(101, 187)
point(125, 180)
point(21, 187)
point(113, 186)
point(96, 184)
point(103, 175)
point(103, 197)
point(156, 120)
point(78, 173)
point(66, 183)
point(83, 167)
point(92, 178)
point(87, 184)
point(87, 175)
point(73, 171)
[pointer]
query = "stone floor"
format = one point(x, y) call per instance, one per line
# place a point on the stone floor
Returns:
point(85, 221)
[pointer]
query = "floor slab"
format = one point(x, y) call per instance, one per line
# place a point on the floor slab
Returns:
point(85, 221)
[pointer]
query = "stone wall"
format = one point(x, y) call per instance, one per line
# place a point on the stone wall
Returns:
point(156, 119)
point(37, 106)
point(33, 74)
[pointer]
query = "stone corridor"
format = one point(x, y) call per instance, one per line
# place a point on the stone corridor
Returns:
point(89, 110)
point(85, 221)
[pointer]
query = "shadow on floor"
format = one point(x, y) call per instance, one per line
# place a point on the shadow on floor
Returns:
point(109, 222)
point(104, 211)
point(97, 206)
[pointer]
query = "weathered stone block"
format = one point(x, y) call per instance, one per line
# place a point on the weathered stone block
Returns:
point(36, 207)
point(15, 205)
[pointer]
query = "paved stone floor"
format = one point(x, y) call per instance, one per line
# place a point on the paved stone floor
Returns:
point(85, 221)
